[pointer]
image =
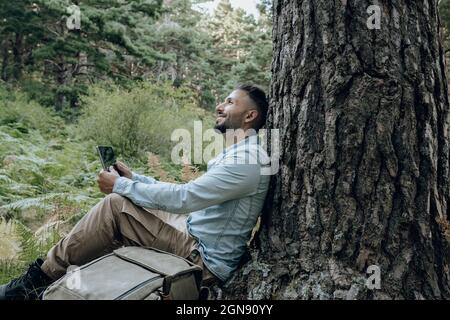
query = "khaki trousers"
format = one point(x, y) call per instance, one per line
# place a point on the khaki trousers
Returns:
point(115, 222)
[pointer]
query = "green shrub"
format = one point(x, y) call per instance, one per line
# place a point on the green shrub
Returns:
point(20, 112)
point(41, 161)
point(140, 119)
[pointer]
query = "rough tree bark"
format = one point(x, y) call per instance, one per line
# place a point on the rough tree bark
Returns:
point(5, 60)
point(17, 50)
point(364, 167)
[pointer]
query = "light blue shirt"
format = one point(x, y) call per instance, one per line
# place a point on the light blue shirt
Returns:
point(223, 204)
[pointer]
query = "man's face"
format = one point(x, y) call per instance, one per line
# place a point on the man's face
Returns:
point(231, 113)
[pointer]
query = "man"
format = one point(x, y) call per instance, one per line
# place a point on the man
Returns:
point(208, 220)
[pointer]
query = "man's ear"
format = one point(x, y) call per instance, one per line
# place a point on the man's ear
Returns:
point(251, 115)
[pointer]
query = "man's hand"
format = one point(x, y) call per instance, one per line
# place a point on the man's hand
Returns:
point(123, 170)
point(106, 180)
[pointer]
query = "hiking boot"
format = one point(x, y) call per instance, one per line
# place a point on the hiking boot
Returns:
point(29, 286)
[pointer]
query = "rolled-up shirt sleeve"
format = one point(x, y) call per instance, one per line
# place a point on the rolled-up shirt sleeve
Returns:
point(219, 184)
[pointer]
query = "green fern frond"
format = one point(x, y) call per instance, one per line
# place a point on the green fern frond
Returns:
point(34, 159)
point(38, 202)
point(9, 239)
point(28, 248)
point(7, 138)
point(32, 248)
point(78, 198)
point(5, 179)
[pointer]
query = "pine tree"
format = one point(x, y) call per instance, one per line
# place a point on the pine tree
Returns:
point(109, 33)
point(363, 185)
point(242, 45)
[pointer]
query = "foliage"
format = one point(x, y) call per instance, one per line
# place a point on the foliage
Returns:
point(45, 173)
point(444, 13)
point(28, 247)
point(125, 41)
point(141, 119)
point(48, 168)
point(21, 113)
point(243, 47)
point(37, 39)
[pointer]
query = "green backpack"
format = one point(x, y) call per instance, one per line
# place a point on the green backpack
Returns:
point(130, 273)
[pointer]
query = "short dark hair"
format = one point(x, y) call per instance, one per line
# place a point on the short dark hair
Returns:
point(259, 98)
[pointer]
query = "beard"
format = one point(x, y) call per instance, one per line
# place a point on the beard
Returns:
point(228, 123)
point(223, 126)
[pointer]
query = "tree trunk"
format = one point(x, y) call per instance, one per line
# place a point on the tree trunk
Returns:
point(63, 78)
point(17, 53)
point(364, 157)
point(5, 60)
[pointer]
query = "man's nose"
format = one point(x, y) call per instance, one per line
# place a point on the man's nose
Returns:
point(219, 108)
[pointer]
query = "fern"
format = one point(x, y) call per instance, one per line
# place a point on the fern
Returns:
point(10, 246)
point(47, 182)
point(9, 240)
point(38, 202)
point(30, 248)
point(5, 179)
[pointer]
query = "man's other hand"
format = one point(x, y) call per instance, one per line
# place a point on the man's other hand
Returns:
point(106, 181)
point(123, 170)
